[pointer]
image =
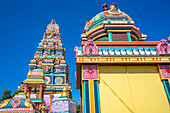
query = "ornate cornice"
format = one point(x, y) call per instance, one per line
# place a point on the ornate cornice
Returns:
point(131, 60)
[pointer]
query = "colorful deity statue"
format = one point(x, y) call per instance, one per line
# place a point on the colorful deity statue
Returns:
point(117, 70)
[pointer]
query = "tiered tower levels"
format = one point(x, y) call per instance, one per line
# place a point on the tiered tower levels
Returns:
point(50, 59)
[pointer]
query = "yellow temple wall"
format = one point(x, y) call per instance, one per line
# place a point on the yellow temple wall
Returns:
point(132, 89)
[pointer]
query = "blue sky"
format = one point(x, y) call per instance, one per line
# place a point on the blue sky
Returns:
point(23, 23)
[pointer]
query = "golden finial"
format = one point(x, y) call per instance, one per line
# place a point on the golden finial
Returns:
point(65, 91)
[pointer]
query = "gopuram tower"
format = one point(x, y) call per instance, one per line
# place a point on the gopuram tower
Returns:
point(47, 88)
point(117, 70)
point(49, 62)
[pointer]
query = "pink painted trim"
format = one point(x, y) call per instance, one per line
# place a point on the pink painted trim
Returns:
point(113, 26)
point(17, 109)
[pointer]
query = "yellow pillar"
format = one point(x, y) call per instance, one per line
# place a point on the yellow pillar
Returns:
point(41, 89)
point(29, 92)
point(91, 91)
point(51, 97)
point(26, 86)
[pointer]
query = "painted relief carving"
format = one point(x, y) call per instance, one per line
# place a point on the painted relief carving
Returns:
point(165, 69)
point(163, 47)
point(60, 106)
point(90, 48)
point(90, 72)
point(15, 103)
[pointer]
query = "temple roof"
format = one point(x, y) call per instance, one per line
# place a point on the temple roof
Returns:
point(111, 14)
point(110, 20)
point(34, 78)
point(18, 103)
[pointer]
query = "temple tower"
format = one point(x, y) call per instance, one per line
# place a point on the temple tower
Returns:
point(49, 65)
point(117, 71)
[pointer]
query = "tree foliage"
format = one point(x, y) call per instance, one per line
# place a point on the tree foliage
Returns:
point(7, 95)
point(78, 108)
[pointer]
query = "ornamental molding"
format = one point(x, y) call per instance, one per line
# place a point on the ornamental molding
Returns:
point(123, 60)
point(90, 48)
point(163, 47)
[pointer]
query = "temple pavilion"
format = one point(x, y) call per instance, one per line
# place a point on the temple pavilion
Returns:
point(117, 70)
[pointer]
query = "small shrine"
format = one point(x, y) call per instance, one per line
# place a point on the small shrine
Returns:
point(63, 104)
point(117, 70)
point(18, 104)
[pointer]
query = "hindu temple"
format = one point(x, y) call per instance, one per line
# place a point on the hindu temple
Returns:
point(117, 71)
point(47, 88)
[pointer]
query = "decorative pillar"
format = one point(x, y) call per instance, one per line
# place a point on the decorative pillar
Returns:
point(26, 87)
point(110, 36)
point(96, 93)
point(51, 97)
point(90, 91)
point(29, 92)
point(129, 37)
point(41, 89)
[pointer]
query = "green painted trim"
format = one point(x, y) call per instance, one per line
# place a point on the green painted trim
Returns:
point(110, 37)
point(129, 37)
point(63, 98)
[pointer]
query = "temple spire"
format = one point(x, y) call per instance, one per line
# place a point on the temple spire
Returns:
point(53, 27)
point(65, 91)
point(53, 21)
